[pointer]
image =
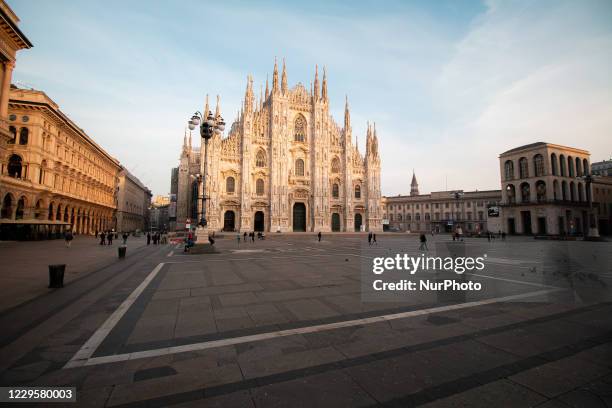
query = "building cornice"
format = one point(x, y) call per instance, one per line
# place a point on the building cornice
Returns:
point(62, 118)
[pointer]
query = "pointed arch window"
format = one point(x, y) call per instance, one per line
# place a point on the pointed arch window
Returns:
point(230, 185)
point(299, 129)
point(299, 167)
point(335, 190)
point(358, 191)
point(259, 187)
point(335, 165)
point(260, 159)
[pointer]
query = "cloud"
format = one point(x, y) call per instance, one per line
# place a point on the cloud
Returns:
point(525, 72)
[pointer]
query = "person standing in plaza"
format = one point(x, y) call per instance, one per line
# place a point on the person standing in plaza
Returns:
point(68, 237)
point(148, 238)
point(238, 238)
point(110, 237)
point(374, 239)
point(125, 237)
point(370, 239)
point(319, 236)
point(253, 236)
point(102, 238)
point(423, 246)
point(245, 236)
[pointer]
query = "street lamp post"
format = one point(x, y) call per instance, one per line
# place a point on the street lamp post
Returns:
point(457, 196)
point(209, 126)
point(593, 233)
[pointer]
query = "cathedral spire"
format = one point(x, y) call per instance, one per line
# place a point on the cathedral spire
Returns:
point(275, 77)
point(414, 186)
point(218, 108)
point(185, 139)
point(267, 89)
point(347, 114)
point(206, 109)
point(284, 79)
point(248, 95)
point(316, 83)
point(324, 90)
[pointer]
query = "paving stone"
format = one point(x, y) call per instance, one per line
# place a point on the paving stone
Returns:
point(171, 294)
point(240, 399)
point(560, 376)
point(331, 389)
point(238, 299)
point(182, 382)
point(309, 309)
point(499, 393)
point(258, 367)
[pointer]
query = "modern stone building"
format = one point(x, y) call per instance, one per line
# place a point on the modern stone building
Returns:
point(602, 203)
point(285, 165)
point(133, 203)
point(544, 190)
point(602, 168)
point(11, 41)
point(53, 174)
point(442, 211)
point(160, 219)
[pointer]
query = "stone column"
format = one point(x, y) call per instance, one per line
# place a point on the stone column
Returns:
point(6, 87)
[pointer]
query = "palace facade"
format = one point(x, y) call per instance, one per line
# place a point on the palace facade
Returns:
point(133, 203)
point(442, 211)
point(285, 165)
point(544, 189)
point(53, 175)
point(11, 41)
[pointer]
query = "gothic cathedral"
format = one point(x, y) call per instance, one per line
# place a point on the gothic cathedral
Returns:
point(285, 165)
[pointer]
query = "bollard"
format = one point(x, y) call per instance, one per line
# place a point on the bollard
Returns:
point(122, 249)
point(56, 275)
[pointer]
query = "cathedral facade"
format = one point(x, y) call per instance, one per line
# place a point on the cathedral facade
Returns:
point(285, 165)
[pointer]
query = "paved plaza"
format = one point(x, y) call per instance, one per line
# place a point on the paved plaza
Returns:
point(287, 322)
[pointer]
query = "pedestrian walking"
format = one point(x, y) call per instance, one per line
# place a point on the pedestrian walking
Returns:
point(102, 238)
point(245, 236)
point(148, 238)
point(374, 239)
point(319, 236)
point(238, 238)
point(423, 240)
point(109, 238)
point(370, 239)
point(489, 236)
point(503, 234)
point(253, 236)
point(68, 237)
point(125, 237)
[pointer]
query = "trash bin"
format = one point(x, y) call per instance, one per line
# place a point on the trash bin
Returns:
point(122, 249)
point(56, 275)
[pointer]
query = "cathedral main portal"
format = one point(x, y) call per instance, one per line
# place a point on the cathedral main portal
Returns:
point(299, 217)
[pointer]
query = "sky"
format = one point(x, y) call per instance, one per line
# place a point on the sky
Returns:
point(449, 84)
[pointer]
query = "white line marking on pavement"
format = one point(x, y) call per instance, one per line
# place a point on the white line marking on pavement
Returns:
point(170, 254)
point(83, 355)
point(541, 285)
point(302, 330)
